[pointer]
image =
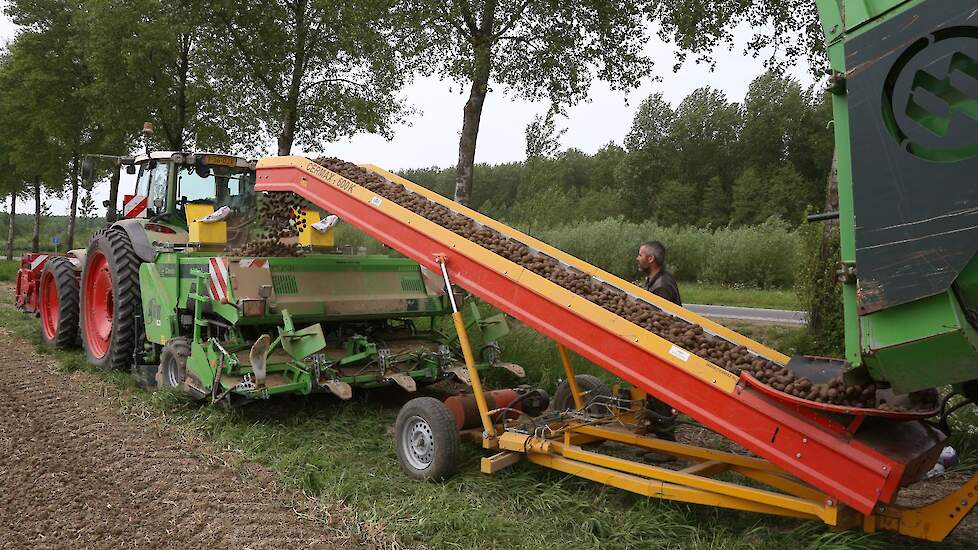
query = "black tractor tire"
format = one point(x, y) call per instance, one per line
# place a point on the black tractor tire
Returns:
point(59, 290)
point(122, 265)
point(172, 371)
point(593, 389)
point(427, 440)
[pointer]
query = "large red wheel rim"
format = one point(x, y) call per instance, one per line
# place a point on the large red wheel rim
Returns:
point(49, 305)
point(98, 305)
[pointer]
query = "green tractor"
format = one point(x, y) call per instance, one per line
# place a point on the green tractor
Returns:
point(171, 293)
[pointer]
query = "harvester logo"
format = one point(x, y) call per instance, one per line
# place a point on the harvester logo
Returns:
point(219, 279)
point(931, 96)
point(134, 206)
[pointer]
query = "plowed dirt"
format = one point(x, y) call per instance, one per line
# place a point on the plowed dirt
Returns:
point(77, 473)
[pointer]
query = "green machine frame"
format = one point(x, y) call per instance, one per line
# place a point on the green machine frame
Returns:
point(905, 96)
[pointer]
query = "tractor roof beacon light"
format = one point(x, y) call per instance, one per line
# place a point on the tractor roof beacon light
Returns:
point(147, 134)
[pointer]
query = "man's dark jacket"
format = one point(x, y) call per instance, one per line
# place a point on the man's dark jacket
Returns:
point(664, 284)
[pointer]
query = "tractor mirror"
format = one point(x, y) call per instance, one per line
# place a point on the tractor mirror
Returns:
point(88, 172)
point(130, 169)
point(106, 203)
point(200, 168)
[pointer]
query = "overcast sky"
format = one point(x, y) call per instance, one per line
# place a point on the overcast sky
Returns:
point(431, 136)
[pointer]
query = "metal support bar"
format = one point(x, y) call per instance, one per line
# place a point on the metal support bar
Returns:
point(934, 521)
point(463, 341)
point(571, 377)
point(657, 489)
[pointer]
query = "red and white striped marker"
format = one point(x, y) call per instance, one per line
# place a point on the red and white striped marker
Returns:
point(219, 279)
point(134, 206)
point(37, 263)
point(255, 263)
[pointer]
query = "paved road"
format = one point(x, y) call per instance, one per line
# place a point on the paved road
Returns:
point(781, 316)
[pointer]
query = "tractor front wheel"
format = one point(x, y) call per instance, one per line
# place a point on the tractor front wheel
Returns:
point(172, 371)
point(427, 440)
point(59, 303)
point(110, 300)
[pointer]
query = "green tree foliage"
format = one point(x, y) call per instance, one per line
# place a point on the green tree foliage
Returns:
point(689, 166)
point(308, 72)
point(149, 64)
point(49, 52)
point(788, 29)
point(676, 204)
point(536, 49)
point(543, 136)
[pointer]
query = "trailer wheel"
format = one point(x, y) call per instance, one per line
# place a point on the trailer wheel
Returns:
point(592, 386)
point(427, 441)
point(110, 299)
point(59, 303)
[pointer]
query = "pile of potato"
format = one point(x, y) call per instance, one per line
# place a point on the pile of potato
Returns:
point(691, 337)
point(278, 219)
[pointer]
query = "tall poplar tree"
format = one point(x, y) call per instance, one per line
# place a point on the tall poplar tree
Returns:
point(535, 49)
point(307, 72)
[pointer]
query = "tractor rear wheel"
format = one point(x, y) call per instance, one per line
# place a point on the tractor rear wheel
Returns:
point(427, 440)
point(110, 300)
point(59, 303)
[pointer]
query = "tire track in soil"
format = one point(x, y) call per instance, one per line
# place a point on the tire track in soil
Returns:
point(74, 472)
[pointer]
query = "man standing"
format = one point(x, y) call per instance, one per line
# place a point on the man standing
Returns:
point(652, 262)
point(660, 417)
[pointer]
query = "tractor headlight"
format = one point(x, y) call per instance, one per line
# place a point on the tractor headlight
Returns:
point(252, 308)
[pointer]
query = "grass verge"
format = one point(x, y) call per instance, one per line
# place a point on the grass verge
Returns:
point(721, 295)
point(343, 452)
point(8, 269)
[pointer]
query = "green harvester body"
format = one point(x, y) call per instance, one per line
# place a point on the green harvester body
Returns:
point(905, 98)
point(336, 320)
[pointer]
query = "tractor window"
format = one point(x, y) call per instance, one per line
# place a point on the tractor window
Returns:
point(153, 186)
point(222, 186)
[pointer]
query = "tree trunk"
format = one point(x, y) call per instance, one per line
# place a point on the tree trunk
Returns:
point(471, 117)
point(11, 230)
point(176, 135)
point(287, 137)
point(36, 237)
point(73, 208)
point(110, 210)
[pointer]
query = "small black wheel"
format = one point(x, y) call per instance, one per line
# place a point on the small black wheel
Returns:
point(172, 371)
point(595, 396)
point(427, 440)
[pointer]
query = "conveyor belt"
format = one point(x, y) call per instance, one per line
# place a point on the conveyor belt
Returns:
point(855, 460)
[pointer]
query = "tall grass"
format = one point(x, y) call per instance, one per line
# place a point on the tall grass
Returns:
point(762, 256)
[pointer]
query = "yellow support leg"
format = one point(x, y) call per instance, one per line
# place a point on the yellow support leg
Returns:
point(571, 377)
point(463, 340)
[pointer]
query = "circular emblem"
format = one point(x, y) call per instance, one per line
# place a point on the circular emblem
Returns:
point(930, 100)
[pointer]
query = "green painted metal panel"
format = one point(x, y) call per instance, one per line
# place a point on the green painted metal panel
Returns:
point(921, 345)
point(945, 359)
point(159, 305)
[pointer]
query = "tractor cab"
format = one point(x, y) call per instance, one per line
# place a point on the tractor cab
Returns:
point(169, 184)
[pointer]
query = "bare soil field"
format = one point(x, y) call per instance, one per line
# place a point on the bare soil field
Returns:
point(77, 473)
